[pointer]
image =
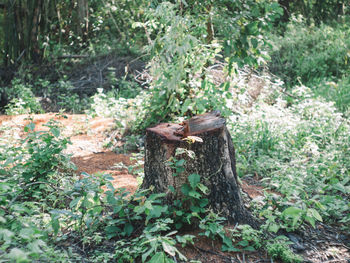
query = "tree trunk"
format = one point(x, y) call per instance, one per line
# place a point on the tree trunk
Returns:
point(214, 162)
point(83, 19)
point(285, 5)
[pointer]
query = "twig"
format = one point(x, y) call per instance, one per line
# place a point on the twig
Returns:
point(72, 56)
point(340, 244)
point(20, 55)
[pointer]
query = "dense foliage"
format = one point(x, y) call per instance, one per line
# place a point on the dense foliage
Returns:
point(291, 129)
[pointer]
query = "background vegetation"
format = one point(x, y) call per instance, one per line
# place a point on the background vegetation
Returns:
point(278, 70)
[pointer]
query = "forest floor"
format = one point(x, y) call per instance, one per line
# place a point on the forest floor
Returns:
point(90, 135)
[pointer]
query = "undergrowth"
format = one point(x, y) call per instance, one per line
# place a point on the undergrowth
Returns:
point(300, 152)
point(317, 57)
point(48, 214)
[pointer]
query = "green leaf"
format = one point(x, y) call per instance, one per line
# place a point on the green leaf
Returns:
point(311, 220)
point(26, 233)
point(296, 219)
point(159, 257)
point(55, 131)
point(185, 106)
point(194, 179)
point(274, 228)
point(254, 42)
point(169, 248)
point(202, 188)
point(195, 209)
point(313, 212)
point(36, 246)
point(292, 211)
point(194, 194)
point(180, 163)
point(29, 127)
point(112, 230)
point(243, 243)
point(227, 245)
point(55, 223)
point(75, 201)
point(185, 188)
point(128, 228)
point(157, 210)
point(249, 248)
point(18, 255)
point(171, 188)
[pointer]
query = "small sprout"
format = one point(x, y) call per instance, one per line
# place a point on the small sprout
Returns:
point(192, 139)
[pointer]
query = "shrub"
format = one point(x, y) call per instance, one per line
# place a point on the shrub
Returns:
point(310, 53)
point(22, 99)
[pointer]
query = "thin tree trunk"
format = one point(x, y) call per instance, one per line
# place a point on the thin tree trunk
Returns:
point(210, 29)
point(83, 19)
point(6, 33)
point(35, 51)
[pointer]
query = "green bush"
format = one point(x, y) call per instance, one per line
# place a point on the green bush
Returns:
point(311, 54)
point(31, 182)
point(336, 91)
point(22, 99)
point(301, 152)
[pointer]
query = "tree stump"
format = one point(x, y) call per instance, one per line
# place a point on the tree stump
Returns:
point(214, 162)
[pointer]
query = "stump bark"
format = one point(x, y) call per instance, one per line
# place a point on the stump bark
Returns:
point(214, 162)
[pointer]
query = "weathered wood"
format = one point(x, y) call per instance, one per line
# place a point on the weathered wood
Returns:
point(214, 162)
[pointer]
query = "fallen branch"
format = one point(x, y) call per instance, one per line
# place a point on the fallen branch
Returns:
point(72, 56)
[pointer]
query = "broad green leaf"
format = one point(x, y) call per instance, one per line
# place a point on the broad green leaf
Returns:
point(202, 188)
point(274, 228)
point(169, 248)
point(292, 211)
point(55, 223)
point(112, 229)
point(311, 220)
point(55, 131)
point(243, 243)
point(171, 188)
point(249, 248)
point(296, 219)
point(254, 42)
point(185, 106)
point(29, 127)
point(314, 214)
point(159, 257)
point(185, 188)
point(128, 228)
point(75, 201)
point(194, 179)
point(194, 194)
point(158, 210)
point(195, 209)
point(180, 162)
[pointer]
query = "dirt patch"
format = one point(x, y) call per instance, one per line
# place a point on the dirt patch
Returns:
point(105, 163)
point(88, 136)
